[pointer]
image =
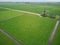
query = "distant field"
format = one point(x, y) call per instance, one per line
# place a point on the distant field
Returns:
point(51, 9)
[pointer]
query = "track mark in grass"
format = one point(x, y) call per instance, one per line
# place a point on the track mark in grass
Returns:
point(8, 35)
point(10, 18)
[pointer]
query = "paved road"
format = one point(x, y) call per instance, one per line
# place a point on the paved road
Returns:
point(53, 33)
point(9, 36)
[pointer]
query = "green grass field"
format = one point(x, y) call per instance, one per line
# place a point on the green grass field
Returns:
point(28, 29)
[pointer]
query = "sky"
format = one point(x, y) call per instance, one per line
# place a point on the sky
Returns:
point(29, 0)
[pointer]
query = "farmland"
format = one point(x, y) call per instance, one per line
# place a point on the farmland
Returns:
point(51, 9)
point(29, 29)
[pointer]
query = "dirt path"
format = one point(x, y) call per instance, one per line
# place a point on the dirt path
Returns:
point(22, 11)
point(11, 37)
point(53, 33)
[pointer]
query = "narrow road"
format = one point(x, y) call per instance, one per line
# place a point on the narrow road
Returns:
point(9, 36)
point(53, 33)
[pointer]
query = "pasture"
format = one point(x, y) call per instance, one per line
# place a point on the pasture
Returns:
point(29, 29)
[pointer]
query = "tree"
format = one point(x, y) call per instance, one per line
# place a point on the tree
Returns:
point(52, 16)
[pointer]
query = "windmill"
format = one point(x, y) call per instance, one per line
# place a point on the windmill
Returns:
point(44, 13)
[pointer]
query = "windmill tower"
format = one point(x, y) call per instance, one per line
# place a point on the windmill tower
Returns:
point(44, 13)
